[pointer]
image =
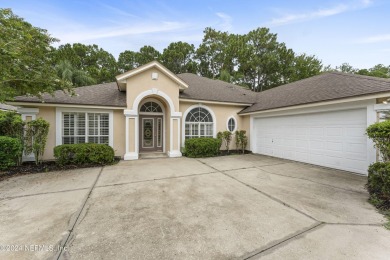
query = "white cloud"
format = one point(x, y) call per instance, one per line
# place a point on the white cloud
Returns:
point(376, 39)
point(311, 15)
point(226, 23)
point(86, 34)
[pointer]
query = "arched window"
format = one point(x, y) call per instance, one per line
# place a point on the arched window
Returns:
point(199, 123)
point(151, 107)
point(231, 124)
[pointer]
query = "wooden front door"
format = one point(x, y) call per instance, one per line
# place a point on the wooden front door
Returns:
point(151, 133)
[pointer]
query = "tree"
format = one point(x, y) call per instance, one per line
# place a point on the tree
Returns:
point(216, 53)
point(36, 138)
point(178, 57)
point(148, 54)
point(128, 60)
point(379, 70)
point(346, 68)
point(99, 64)
point(25, 59)
point(305, 66)
point(263, 61)
point(67, 72)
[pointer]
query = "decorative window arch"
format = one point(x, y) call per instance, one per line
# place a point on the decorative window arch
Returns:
point(231, 124)
point(199, 122)
point(151, 107)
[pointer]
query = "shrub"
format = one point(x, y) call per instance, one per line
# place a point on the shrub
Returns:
point(36, 137)
point(80, 154)
point(10, 151)
point(11, 124)
point(202, 147)
point(241, 140)
point(378, 184)
point(380, 134)
point(225, 138)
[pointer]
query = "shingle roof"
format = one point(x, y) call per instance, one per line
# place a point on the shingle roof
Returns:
point(324, 87)
point(202, 88)
point(106, 94)
point(6, 107)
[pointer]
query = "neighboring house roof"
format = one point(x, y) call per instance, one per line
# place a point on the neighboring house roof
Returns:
point(5, 107)
point(202, 88)
point(325, 87)
point(106, 94)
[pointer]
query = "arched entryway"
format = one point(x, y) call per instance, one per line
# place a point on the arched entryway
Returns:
point(151, 126)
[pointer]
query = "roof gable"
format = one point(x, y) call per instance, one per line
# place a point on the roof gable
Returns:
point(121, 79)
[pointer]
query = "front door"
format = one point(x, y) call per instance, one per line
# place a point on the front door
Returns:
point(151, 133)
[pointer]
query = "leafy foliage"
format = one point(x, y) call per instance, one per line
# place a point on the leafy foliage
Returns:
point(226, 138)
point(99, 64)
point(178, 57)
point(11, 124)
point(81, 154)
point(379, 70)
point(241, 140)
point(378, 184)
point(25, 59)
point(67, 72)
point(202, 147)
point(36, 137)
point(10, 151)
point(380, 134)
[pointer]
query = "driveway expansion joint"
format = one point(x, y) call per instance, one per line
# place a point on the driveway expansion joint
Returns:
point(284, 240)
point(157, 179)
point(74, 219)
point(320, 183)
point(42, 193)
point(265, 194)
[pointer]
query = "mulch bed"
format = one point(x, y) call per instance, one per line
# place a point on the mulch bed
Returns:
point(46, 166)
point(232, 152)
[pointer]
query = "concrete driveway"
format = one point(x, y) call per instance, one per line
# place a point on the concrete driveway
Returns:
point(233, 207)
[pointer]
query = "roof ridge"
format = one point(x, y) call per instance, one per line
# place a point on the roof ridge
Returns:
point(346, 74)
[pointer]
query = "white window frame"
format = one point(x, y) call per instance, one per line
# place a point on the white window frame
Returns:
point(183, 135)
point(235, 124)
point(59, 121)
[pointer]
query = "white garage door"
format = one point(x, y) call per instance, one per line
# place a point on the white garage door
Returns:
point(332, 139)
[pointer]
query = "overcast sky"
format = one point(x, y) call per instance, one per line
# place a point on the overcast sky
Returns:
point(353, 31)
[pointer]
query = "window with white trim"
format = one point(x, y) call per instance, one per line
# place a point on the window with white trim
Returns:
point(231, 124)
point(83, 127)
point(199, 123)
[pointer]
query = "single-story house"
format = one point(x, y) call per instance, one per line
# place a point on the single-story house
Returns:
point(320, 120)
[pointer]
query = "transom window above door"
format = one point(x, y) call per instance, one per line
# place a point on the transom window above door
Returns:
point(151, 107)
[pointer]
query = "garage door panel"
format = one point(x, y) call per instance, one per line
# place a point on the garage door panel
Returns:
point(333, 139)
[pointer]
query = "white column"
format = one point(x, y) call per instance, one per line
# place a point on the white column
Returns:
point(175, 151)
point(131, 155)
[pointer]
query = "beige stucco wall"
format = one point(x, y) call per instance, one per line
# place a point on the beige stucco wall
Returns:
point(222, 114)
point(119, 130)
point(143, 82)
point(49, 114)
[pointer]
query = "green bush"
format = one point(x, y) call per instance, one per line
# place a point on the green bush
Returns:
point(378, 184)
point(202, 147)
point(380, 134)
point(81, 154)
point(10, 151)
point(11, 124)
point(36, 137)
point(241, 140)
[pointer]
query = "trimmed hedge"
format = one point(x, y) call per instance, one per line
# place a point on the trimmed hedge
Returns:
point(10, 151)
point(378, 184)
point(202, 147)
point(88, 153)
